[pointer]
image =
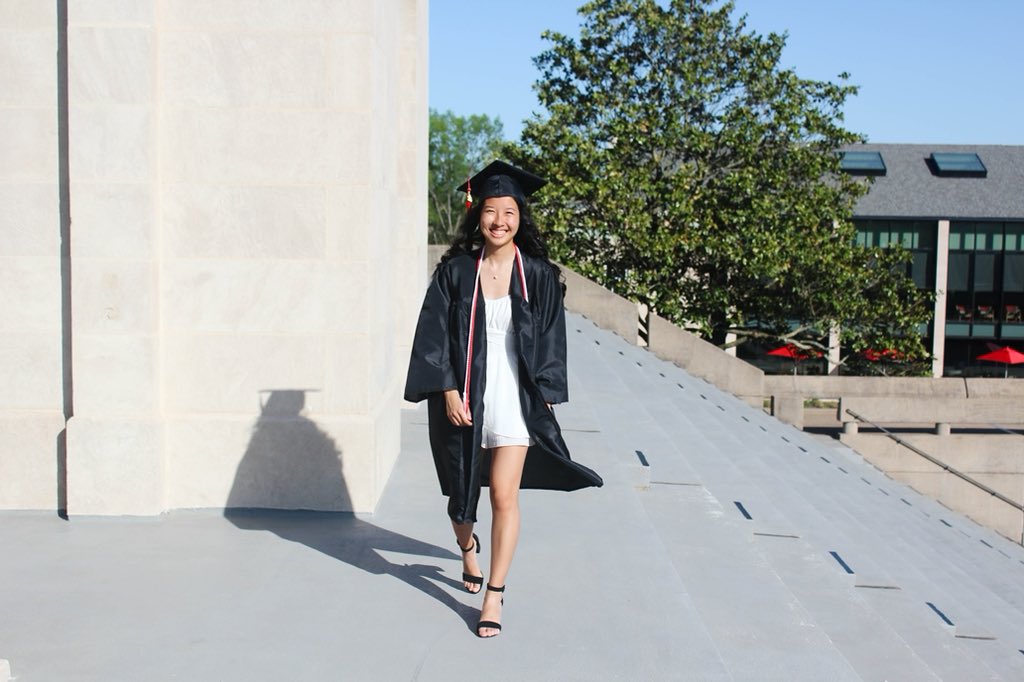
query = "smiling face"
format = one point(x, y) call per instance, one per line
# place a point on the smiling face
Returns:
point(499, 221)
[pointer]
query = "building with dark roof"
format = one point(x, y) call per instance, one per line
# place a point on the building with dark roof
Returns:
point(960, 210)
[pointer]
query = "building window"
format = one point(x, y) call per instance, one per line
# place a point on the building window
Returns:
point(862, 163)
point(957, 165)
point(916, 236)
point(985, 286)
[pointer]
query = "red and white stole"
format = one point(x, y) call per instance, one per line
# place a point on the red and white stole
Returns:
point(472, 318)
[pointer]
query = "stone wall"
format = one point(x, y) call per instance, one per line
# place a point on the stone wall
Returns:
point(246, 188)
point(995, 460)
point(31, 351)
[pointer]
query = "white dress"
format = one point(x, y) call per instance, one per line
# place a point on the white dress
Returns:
point(503, 414)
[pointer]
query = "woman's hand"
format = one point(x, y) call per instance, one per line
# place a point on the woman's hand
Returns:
point(453, 407)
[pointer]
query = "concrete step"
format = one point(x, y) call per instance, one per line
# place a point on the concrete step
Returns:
point(762, 630)
point(660, 445)
point(864, 636)
point(966, 626)
point(922, 503)
point(709, 407)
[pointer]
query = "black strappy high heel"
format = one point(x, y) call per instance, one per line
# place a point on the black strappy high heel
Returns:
point(490, 623)
point(466, 577)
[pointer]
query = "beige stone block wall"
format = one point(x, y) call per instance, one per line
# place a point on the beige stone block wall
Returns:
point(225, 374)
point(102, 208)
point(248, 202)
point(225, 221)
point(30, 371)
point(29, 143)
point(28, 445)
point(115, 439)
point(287, 458)
point(411, 245)
point(31, 400)
point(115, 466)
point(112, 12)
point(116, 374)
point(286, 229)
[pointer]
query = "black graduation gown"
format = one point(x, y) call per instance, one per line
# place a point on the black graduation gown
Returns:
point(438, 363)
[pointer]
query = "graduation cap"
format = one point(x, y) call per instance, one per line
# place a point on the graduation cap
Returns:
point(500, 179)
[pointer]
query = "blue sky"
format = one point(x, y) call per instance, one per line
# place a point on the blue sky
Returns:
point(929, 71)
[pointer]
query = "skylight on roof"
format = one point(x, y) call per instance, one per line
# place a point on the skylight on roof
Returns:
point(862, 163)
point(958, 164)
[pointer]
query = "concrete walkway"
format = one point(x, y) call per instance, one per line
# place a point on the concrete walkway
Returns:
point(724, 546)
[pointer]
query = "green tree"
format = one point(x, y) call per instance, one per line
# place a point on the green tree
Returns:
point(692, 173)
point(459, 146)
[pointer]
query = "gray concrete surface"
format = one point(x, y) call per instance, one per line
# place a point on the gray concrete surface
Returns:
point(1005, 412)
point(725, 545)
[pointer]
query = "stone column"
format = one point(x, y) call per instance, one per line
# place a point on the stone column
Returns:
point(280, 177)
point(834, 351)
point(411, 248)
point(941, 282)
point(115, 439)
point(730, 337)
point(31, 353)
point(249, 187)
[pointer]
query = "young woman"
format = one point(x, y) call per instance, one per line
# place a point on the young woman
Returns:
point(489, 357)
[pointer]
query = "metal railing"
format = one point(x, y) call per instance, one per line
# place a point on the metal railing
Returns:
point(997, 427)
point(945, 467)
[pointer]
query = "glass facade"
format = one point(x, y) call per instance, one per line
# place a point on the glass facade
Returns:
point(920, 238)
point(985, 292)
point(916, 236)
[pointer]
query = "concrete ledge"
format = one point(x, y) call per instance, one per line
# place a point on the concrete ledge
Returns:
point(936, 410)
point(789, 409)
point(994, 388)
point(896, 400)
point(834, 387)
point(703, 359)
point(602, 307)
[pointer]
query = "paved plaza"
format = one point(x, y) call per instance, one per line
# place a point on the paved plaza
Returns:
point(723, 546)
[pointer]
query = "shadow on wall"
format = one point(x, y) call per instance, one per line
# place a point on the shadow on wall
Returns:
point(290, 466)
point(289, 462)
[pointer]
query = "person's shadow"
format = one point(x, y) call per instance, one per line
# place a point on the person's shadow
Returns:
point(291, 465)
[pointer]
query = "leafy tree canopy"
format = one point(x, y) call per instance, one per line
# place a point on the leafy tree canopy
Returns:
point(693, 173)
point(459, 147)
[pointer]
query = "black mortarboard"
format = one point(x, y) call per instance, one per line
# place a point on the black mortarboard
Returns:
point(501, 179)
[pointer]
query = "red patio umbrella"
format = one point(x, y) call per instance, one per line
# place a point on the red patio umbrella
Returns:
point(873, 355)
point(789, 351)
point(792, 352)
point(1006, 355)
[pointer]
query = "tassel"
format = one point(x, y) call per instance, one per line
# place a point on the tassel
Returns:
point(469, 195)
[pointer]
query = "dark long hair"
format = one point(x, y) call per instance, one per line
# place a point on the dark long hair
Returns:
point(528, 237)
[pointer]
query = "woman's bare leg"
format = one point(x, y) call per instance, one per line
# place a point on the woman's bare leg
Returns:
point(464, 535)
point(506, 475)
